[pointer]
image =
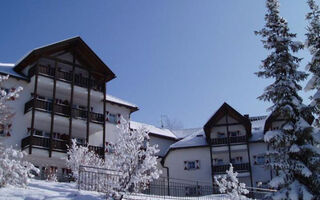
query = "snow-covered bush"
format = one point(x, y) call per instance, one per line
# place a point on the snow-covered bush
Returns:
point(229, 184)
point(78, 155)
point(135, 160)
point(13, 169)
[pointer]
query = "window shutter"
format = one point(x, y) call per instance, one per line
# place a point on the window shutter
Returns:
point(185, 165)
point(107, 116)
point(197, 164)
point(119, 118)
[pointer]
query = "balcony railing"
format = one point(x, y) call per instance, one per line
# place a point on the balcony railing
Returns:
point(57, 144)
point(232, 140)
point(63, 110)
point(79, 80)
point(237, 167)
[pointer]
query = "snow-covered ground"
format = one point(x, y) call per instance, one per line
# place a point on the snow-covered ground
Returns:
point(40, 190)
point(48, 190)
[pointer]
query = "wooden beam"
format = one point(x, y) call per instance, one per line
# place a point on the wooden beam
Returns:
point(250, 170)
point(34, 106)
point(228, 135)
point(104, 119)
point(98, 74)
point(71, 100)
point(88, 108)
point(53, 107)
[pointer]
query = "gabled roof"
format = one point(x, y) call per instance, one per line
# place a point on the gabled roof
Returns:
point(81, 50)
point(222, 111)
point(306, 115)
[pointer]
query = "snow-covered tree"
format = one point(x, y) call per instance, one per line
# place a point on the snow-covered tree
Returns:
point(230, 185)
point(313, 44)
point(14, 170)
point(78, 155)
point(6, 113)
point(135, 160)
point(293, 155)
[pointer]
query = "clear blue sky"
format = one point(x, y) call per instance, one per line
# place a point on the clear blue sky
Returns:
point(178, 58)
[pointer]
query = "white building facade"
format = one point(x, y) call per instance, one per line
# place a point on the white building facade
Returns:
point(63, 98)
point(227, 137)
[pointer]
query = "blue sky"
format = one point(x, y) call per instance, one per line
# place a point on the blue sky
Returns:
point(178, 58)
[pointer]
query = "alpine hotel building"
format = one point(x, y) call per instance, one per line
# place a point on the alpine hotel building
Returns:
point(65, 97)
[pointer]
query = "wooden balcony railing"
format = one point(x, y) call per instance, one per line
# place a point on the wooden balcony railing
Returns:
point(57, 144)
point(232, 140)
point(237, 167)
point(79, 80)
point(63, 110)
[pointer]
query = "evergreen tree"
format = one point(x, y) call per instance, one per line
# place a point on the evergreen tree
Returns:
point(294, 156)
point(313, 44)
point(230, 185)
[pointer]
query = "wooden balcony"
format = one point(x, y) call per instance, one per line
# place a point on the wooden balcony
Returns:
point(66, 76)
point(232, 140)
point(64, 110)
point(57, 144)
point(239, 167)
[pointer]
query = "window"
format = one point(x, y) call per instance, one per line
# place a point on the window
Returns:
point(192, 190)
point(109, 147)
point(221, 135)
point(80, 141)
point(38, 133)
point(260, 160)
point(234, 133)
point(191, 165)
point(219, 162)
point(112, 118)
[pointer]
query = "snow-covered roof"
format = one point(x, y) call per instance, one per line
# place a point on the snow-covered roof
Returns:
point(117, 100)
point(7, 68)
point(196, 136)
point(257, 129)
point(195, 139)
point(183, 133)
point(152, 129)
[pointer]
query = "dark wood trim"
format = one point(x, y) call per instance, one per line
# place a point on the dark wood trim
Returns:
point(211, 163)
point(33, 108)
point(88, 108)
point(71, 100)
point(99, 74)
point(53, 108)
point(104, 119)
point(228, 136)
point(249, 159)
point(230, 124)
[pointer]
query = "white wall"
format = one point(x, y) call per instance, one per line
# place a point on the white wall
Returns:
point(259, 172)
point(175, 161)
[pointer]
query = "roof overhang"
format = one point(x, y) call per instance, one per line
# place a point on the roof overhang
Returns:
point(78, 47)
point(222, 111)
